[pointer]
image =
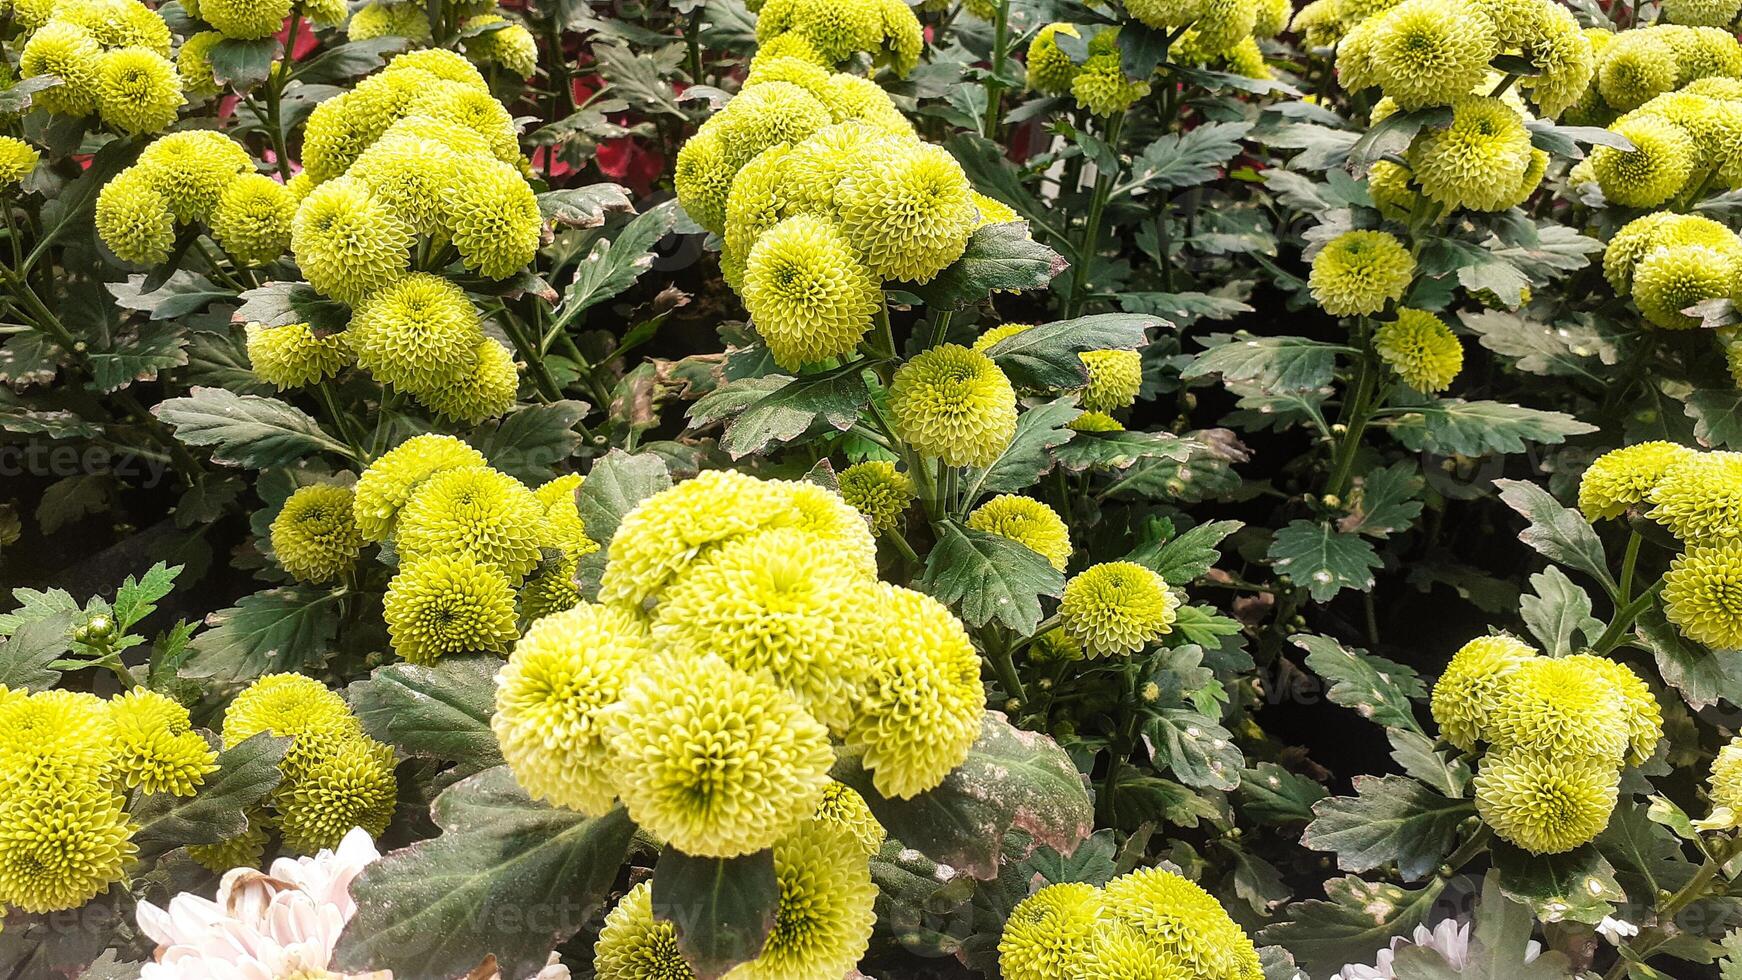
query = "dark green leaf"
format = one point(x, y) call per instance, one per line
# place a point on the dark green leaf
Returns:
point(341, 63)
point(440, 711)
point(137, 598)
point(1047, 356)
point(1558, 612)
point(279, 303)
point(26, 653)
point(1040, 435)
point(246, 773)
point(181, 294)
point(1551, 349)
point(1421, 757)
point(1120, 450)
point(1717, 416)
point(1273, 795)
point(1322, 560)
point(986, 577)
point(507, 878)
point(1559, 533)
point(1187, 555)
point(616, 483)
point(999, 257)
point(1384, 501)
point(1199, 752)
point(15, 99)
point(245, 430)
point(243, 64)
point(1392, 136)
point(1390, 820)
point(530, 441)
point(583, 207)
point(1189, 158)
point(722, 908)
point(1578, 885)
point(1703, 677)
point(1380, 690)
point(613, 266)
point(1271, 363)
point(786, 411)
point(1011, 779)
point(1455, 427)
point(286, 628)
point(138, 357)
point(1358, 919)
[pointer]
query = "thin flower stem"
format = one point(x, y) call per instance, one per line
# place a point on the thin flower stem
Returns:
point(995, 84)
point(342, 421)
point(1629, 565)
point(1624, 618)
point(1641, 948)
point(1090, 244)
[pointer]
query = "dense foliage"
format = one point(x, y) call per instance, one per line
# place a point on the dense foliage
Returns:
point(815, 489)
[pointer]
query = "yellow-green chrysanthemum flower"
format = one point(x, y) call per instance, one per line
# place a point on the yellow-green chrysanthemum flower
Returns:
point(756, 203)
point(241, 851)
point(314, 536)
point(908, 208)
point(810, 174)
point(763, 115)
point(1624, 477)
point(1634, 68)
point(1700, 498)
point(1221, 24)
point(1703, 52)
point(138, 90)
point(1715, 87)
point(1117, 607)
point(511, 45)
point(444, 64)
point(476, 511)
point(17, 161)
point(61, 845)
point(1660, 229)
point(1115, 377)
point(1165, 14)
point(779, 604)
point(69, 53)
point(806, 74)
point(1359, 272)
point(1467, 694)
point(418, 333)
point(1426, 52)
point(993, 211)
point(496, 222)
point(1273, 16)
point(341, 128)
point(842, 809)
point(1534, 171)
point(954, 404)
point(294, 355)
point(1545, 804)
point(347, 243)
point(807, 292)
point(156, 748)
point(486, 391)
point(820, 512)
point(569, 667)
point(133, 219)
point(1565, 60)
point(850, 98)
point(878, 490)
point(52, 737)
point(194, 64)
point(1051, 71)
point(903, 36)
point(703, 178)
point(460, 104)
point(252, 219)
point(1653, 171)
point(1049, 934)
point(288, 706)
point(822, 922)
point(712, 760)
point(1120, 952)
point(1671, 279)
point(376, 19)
point(390, 480)
point(564, 528)
point(1095, 422)
point(118, 23)
point(245, 19)
point(1644, 714)
point(1101, 85)
point(448, 603)
point(192, 168)
point(1029, 523)
point(633, 945)
point(1702, 594)
point(663, 534)
point(1725, 789)
point(342, 783)
point(922, 703)
point(1185, 923)
point(1478, 161)
point(1421, 349)
point(1561, 708)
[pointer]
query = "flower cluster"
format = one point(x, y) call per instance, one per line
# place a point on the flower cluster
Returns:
point(198, 176)
point(1558, 731)
point(740, 627)
point(252, 19)
point(1669, 262)
point(821, 191)
point(1113, 378)
point(828, 32)
point(1149, 923)
point(68, 761)
point(112, 58)
point(467, 539)
point(335, 777)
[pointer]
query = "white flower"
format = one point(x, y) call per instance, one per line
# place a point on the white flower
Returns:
point(269, 925)
point(1450, 938)
point(1615, 930)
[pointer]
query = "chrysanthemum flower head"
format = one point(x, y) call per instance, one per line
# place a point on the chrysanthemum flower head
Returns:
point(1029, 523)
point(823, 919)
point(511, 45)
point(954, 404)
point(1049, 933)
point(448, 603)
point(714, 761)
point(778, 603)
point(477, 511)
point(1424, 52)
point(564, 528)
point(1101, 85)
point(993, 211)
point(1221, 24)
point(52, 737)
point(391, 479)
point(252, 219)
point(1468, 693)
point(1635, 67)
point(633, 945)
point(1115, 377)
point(1117, 607)
point(444, 64)
point(133, 219)
point(194, 64)
point(377, 19)
point(1702, 594)
point(903, 36)
point(1671, 279)
point(1703, 52)
point(1359, 272)
point(818, 511)
point(1561, 708)
point(1623, 478)
point(1050, 70)
point(414, 175)
point(118, 23)
point(418, 333)
point(763, 115)
point(1644, 715)
point(1185, 922)
point(921, 707)
point(878, 490)
point(808, 293)
point(908, 208)
point(138, 90)
point(1715, 87)
point(245, 19)
point(314, 535)
point(488, 390)
point(817, 166)
point(663, 534)
point(1661, 229)
point(1479, 160)
point(192, 168)
point(1700, 498)
point(1546, 804)
point(156, 749)
point(1653, 171)
point(61, 846)
point(1423, 351)
point(851, 98)
point(288, 706)
point(17, 161)
point(1095, 422)
point(843, 810)
point(1565, 60)
point(342, 783)
point(496, 224)
point(758, 199)
point(70, 53)
point(1119, 952)
point(347, 243)
point(703, 179)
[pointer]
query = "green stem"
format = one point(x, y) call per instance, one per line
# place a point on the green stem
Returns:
point(342, 421)
point(1629, 564)
point(1090, 244)
point(940, 328)
point(1123, 743)
point(995, 84)
point(897, 540)
point(1004, 665)
point(1624, 618)
point(1360, 412)
point(1641, 948)
point(548, 389)
point(274, 118)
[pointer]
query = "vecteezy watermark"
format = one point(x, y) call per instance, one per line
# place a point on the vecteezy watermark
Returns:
point(61, 460)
